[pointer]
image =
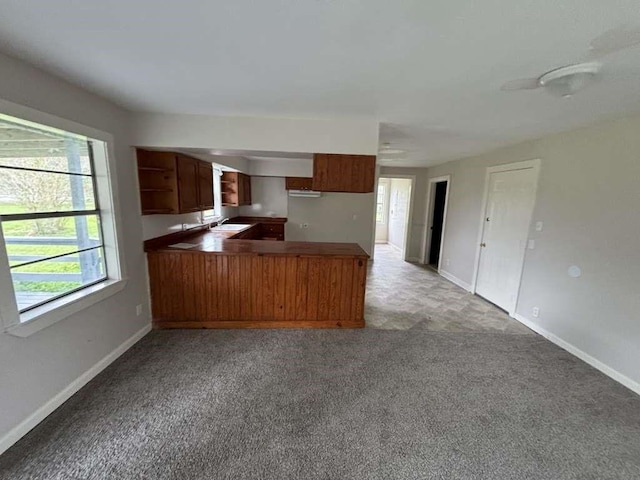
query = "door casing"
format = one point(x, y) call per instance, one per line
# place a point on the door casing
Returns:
point(426, 246)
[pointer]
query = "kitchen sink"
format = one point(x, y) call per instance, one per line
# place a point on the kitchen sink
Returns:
point(230, 227)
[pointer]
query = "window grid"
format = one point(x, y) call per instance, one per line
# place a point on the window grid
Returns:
point(95, 264)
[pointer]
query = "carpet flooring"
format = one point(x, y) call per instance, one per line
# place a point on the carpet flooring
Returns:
point(328, 404)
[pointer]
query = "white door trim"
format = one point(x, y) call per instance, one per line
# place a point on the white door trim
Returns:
point(535, 165)
point(407, 227)
point(426, 245)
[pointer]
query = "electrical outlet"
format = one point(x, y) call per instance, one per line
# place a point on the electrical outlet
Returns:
point(138, 310)
point(535, 312)
point(447, 262)
point(532, 244)
point(539, 226)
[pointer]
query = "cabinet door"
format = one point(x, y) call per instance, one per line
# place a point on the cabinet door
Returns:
point(321, 167)
point(205, 185)
point(247, 189)
point(188, 184)
point(344, 173)
point(363, 173)
point(298, 183)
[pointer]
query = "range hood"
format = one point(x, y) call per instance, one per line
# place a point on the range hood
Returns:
point(305, 193)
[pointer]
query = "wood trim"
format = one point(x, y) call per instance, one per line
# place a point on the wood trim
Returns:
point(233, 324)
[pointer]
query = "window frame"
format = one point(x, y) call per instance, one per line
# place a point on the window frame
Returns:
point(108, 208)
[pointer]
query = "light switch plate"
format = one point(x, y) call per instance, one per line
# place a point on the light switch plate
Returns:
point(539, 226)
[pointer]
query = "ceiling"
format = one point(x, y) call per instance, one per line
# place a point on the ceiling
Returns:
point(429, 72)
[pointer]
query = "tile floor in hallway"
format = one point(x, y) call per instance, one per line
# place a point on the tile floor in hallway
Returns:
point(403, 296)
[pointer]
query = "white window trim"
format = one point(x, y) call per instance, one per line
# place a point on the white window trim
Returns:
point(32, 321)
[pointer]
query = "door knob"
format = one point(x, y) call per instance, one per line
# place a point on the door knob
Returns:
point(483, 245)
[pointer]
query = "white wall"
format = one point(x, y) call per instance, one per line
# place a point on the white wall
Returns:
point(334, 217)
point(400, 196)
point(268, 197)
point(588, 199)
point(282, 167)
point(35, 369)
point(257, 133)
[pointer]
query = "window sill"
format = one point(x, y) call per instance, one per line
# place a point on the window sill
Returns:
point(46, 315)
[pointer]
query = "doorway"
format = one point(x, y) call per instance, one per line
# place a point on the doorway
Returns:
point(437, 201)
point(510, 193)
point(393, 211)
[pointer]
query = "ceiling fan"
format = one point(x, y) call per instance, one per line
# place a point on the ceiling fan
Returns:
point(568, 80)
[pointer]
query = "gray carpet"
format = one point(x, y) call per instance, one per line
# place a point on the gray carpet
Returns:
point(360, 404)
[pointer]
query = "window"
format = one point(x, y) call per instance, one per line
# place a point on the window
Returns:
point(380, 204)
point(217, 191)
point(52, 242)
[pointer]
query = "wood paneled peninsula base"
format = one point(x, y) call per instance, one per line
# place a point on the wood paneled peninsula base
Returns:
point(236, 283)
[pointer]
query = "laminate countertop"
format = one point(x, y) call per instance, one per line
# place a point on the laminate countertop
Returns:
point(219, 243)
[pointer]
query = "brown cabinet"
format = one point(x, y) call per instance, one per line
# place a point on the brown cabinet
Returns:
point(236, 189)
point(272, 231)
point(299, 183)
point(257, 290)
point(205, 185)
point(188, 197)
point(173, 183)
point(343, 173)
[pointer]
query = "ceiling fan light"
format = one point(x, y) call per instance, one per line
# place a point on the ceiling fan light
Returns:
point(567, 81)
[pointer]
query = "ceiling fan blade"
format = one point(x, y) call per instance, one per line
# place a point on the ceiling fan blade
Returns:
point(521, 84)
point(614, 40)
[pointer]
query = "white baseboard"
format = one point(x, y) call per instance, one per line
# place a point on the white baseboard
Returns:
point(585, 357)
point(456, 280)
point(41, 413)
point(413, 260)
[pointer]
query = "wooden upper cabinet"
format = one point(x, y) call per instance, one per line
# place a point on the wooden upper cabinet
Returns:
point(299, 183)
point(236, 189)
point(344, 173)
point(245, 190)
point(205, 185)
point(173, 183)
point(188, 181)
point(158, 182)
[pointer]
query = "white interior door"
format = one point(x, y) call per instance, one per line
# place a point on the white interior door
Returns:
point(510, 201)
point(382, 211)
point(398, 211)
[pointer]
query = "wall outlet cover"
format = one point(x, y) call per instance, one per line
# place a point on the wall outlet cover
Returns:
point(535, 312)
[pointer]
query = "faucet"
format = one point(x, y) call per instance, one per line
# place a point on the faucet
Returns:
point(220, 222)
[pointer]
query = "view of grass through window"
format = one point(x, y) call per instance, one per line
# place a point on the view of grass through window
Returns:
point(50, 220)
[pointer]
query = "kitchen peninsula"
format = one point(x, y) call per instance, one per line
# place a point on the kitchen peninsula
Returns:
point(224, 279)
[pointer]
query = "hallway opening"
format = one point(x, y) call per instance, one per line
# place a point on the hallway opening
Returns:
point(394, 202)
